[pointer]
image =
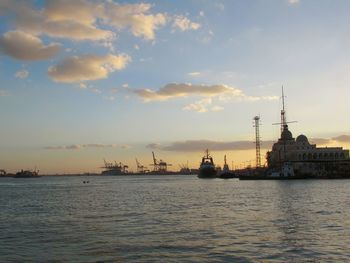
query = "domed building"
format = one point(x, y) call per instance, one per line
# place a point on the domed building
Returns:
point(307, 158)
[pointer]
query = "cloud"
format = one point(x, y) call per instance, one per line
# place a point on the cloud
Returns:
point(199, 106)
point(84, 19)
point(80, 146)
point(174, 90)
point(184, 24)
point(201, 145)
point(87, 67)
point(82, 86)
point(338, 139)
point(63, 19)
point(194, 74)
point(293, 2)
point(321, 141)
point(22, 74)
point(134, 16)
point(342, 138)
point(217, 108)
point(3, 93)
point(24, 46)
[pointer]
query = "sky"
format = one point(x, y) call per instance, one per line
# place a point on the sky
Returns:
point(83, 81)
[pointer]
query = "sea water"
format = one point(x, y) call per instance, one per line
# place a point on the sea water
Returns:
point(173, 219)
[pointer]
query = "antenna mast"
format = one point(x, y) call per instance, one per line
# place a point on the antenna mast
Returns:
point(257, 140)
point(283, 112)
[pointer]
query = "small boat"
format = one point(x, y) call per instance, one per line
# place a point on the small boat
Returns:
point(285, 172)
point(226, 173)
point(207, 168)
point(27, 174)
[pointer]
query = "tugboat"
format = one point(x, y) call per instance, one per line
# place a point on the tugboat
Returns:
point(207, 167)
point(27, 174)
point(226, 173)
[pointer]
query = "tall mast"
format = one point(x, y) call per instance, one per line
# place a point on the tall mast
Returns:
point(283, 112)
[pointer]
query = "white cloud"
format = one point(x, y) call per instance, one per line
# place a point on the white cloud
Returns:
point(22, 74)
point(199, 106)
point(24, 46)
point(84, 19)
point(82, 86)
point(184, 24)
point(194, 74)
point(87, 67)
point(136, 17)
point(293, 2)
point(217, 108)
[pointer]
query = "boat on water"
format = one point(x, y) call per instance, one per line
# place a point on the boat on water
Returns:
point(27, 174)
point(225, 173)
point(207, 168)
point(285, 172)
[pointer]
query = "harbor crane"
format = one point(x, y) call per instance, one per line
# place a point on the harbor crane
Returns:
point(159, 166)
point(140, 168)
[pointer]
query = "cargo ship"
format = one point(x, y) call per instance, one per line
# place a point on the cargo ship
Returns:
point(27, 174)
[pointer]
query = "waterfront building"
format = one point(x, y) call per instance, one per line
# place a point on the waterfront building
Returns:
point(307, 158)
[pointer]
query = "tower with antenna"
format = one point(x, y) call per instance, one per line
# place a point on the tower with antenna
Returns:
point(283, 113)
point(284, 122)
point(257, 141)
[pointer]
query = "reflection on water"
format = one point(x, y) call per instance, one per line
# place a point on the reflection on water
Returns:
point(173, 219)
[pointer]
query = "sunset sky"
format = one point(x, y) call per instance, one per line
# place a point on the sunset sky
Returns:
point(83, 81)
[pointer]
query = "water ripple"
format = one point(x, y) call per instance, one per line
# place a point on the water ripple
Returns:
point(173, 219)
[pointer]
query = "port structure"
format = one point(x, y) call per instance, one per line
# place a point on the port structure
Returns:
point(159, 166)
point(140, 168)
point(284, 125)
point(284, 122)
point(115, 166)
point(257, 141)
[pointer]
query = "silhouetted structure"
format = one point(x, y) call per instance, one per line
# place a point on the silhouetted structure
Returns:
point(159, 166)
point(257, 141)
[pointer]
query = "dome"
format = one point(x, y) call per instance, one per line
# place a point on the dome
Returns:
point(302, 139)
point(286, 134)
